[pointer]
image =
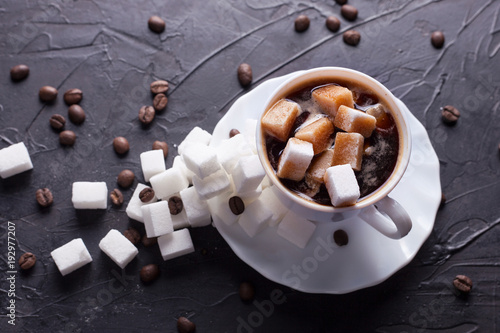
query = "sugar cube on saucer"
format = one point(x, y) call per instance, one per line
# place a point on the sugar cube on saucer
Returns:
point(255, 217)
point(14, 159)
point(196, 135)
point(247, 174)
point(196, 208)
point(296, 229)
point(168, 182)
point(210, 186)
point(201, 159)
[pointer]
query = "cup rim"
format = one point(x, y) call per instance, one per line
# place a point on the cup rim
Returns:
point(378, 88)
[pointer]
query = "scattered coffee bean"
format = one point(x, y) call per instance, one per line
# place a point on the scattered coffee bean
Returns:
point(47, 94)
point(149, 273)
point(349, 12)
point(121, 145)
point(246, 291)
point(156, 24)
point(233, 132)
point(44, 197)
point(125, 178)
point(76, 114)
point(236, 205)
point(302, 23)
point(333, 23)
point(67, 138)
point(185, 325)
point(437, 39)
point(159, 87)
point(450, 114)
point(132, 235)
point(19, 72)
point(73, 96)
point(147, 194)
point(160, 102)
point(27, 260)
point(245, 75)
point(157, 145)
point(351, 37)
point(57, 121)
point(463, 283)
point(146, 114)
point(116, 197)
point(340, 237)
point(147, 242)
point(175, 205)
point(341, 2)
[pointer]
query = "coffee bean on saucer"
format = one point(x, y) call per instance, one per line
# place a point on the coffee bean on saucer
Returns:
point(147, 194)
point(340, 237)
point(233, 132)
point(175, 205)
point(246, 291)
point(44, 197)
point(245, 75)
point(132, 235)
point(147, 242)
point(236, 205)
point(121, 145)
point(73, 96)
point(302, 23)
point(67, 138)
point(463, 283)
point(437, 39)
point(149, 273)
point(333, 23)
point(47, 94)
point(116, 197)
point(125, 178)
point(27, 260)
point(19, 72)
point(159, 87)
point(351, 37)
point(156, 24)
point(57, 121)
point(341, 2)
point(76, 114)
point(450, 114)
point(185, 325)
point(161, 145)
point(349, 12)
point(146, 114)
point(160, 102)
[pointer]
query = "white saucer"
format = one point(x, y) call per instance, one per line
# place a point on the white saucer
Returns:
point(369, 257)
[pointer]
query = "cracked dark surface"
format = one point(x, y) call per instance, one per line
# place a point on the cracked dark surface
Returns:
point(106, 50)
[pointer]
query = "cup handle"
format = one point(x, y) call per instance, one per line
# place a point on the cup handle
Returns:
point(388, 217)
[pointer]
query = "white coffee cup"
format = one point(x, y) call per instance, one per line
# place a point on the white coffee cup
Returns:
point(378, 209)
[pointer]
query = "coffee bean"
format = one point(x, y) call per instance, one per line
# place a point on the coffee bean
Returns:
point(160, 102)
point(159, 87)
point(125, 178)
point(437, 39)
point(47, 94)
point(73, 96)
point(76, 114)
point(121, 145)
point(157, 145)
point(146, 114)
point(349, 12)
point(44, 197)
point(341, 2)
point(450, 114)
point(147, 242)
point(132, 235)
point(67, 138)
point(57, 121)
point(463, 283)
point(245, 75)
point(302, 23)
point(116, 197)
point(236, 205)
point(27, 260)
point(185, 325)
point(333, 23)
point(246, 291)
point(19, 72)
point(149, 273)
point(156, 24)
point(233, 132)
point(147, 194)
point(351, 37)
point(175, 205)
point(340, 237)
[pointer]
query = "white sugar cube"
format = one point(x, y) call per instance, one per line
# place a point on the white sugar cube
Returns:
point(134, 205)
point(247, 174)
point(266, 182)
point(255, 217)
point(231, 150)
point(342, 185)
point(90, 195)
point(175, 244)
point(219, 209)
point(168, 182)
point(213, 185)
point(71, 256)
point(249, 131)
point(296, 229)
point(272, 202)
point(118, 248)
point(196, 135)
point(200, 159)
point(14, 159)
point(180, 220)
point(196, 208)
point(152, 163)
point(179, 164)
point(295, 159)
point(157, 219)
point(250, 196)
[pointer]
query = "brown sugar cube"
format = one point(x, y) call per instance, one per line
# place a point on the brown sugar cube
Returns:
point(319, 165)
point(355, 121)
point(295, 159)
point(331, 97)
point(319, 133)
point(348, 149)
point(278, 121)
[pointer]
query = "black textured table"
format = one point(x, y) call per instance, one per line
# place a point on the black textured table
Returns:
point(106, 50)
